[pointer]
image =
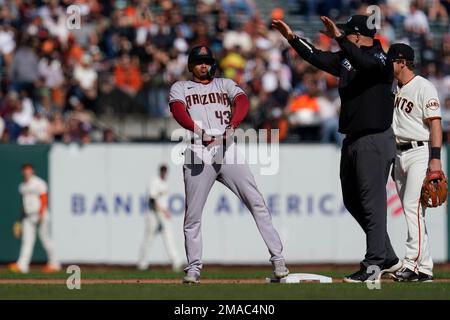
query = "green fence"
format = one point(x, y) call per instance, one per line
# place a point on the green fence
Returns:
point(11, 159)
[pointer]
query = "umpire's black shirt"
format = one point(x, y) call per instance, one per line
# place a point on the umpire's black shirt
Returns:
point(365, 83)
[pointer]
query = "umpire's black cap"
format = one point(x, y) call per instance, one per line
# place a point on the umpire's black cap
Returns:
point(399, 51)
point(358, 24)
point(201, 53)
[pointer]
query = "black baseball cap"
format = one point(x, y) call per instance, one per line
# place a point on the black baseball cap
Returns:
point(200, 54)
point(401, 51)
point(358, 24)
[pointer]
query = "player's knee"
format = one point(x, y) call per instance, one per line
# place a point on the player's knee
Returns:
point(190, 224)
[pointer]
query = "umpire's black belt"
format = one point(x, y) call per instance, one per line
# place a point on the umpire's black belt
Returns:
point(409, 145)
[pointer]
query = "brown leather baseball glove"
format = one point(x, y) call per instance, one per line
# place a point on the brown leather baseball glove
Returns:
point(434, 189)
point(17, 230)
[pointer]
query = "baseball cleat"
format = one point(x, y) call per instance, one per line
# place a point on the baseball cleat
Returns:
point(360, 276)
point(50, 269)
point(423, 277)
point(177, 267)
point(191, 277)
point(391, 267)
point(142, 268)
point(405, 275)
point(279, 269)
point(14, 267)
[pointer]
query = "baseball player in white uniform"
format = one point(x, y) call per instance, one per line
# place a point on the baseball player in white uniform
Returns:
point(158, 220)
point(211, 108)
point(34, 193)
point(417, 127)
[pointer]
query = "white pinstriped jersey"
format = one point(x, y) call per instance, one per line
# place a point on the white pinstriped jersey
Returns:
point(415, 102)
point(209, 105)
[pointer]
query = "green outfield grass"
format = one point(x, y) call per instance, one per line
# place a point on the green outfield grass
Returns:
point(433, 291)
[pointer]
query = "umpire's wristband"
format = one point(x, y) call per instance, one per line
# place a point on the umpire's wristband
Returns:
point(435, 153)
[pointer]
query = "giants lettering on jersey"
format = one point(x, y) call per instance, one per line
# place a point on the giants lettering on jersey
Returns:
point(403, 104)
point(214, 97)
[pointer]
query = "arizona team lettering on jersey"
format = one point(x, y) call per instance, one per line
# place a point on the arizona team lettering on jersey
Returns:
point(214, 97)
point(415, 102)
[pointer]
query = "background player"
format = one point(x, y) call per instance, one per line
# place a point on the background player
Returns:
point(417, 126)
point(34, 200)
point(158, 220)
point(204, 106)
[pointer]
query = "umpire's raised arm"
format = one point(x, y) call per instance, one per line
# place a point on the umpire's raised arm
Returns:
point(368, 151)
point(358, 56)
point(323, 60)
point(365, 73)
point(361, 59)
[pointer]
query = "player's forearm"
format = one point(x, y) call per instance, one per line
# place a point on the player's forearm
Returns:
point(44, 204)
point(161, 210)
point(241, 105)
point(158, 208)
point(435, 142)
point(435, 133)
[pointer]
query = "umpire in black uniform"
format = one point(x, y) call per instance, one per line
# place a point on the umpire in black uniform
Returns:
point(365, 88)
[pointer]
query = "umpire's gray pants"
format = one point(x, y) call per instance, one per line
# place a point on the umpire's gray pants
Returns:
point(198, 179)
point(365, 165)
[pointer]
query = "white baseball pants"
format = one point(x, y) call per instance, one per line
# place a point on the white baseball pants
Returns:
point(409, 172)
point(30, 225)
point(157, 222)
point(199, 178)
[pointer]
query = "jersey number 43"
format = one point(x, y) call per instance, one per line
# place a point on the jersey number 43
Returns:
point(224, 117)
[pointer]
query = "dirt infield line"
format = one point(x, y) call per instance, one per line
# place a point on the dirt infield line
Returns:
point(158, 281)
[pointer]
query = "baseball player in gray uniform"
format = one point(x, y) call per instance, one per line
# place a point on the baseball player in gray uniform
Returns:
point(211, 108)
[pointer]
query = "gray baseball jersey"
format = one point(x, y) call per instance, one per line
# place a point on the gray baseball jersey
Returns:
point(209, 105)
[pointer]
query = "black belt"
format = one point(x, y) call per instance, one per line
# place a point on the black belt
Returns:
point(200, 142)
point(409, 145)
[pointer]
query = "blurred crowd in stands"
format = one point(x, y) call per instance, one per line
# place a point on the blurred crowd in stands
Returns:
point(56, 82)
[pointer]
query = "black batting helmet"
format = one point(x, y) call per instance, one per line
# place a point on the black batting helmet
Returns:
point(202, 54)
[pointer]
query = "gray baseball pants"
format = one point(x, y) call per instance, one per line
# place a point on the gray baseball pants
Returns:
point(199, 177)
point(365, 165)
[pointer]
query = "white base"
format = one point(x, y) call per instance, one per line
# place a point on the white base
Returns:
point(301, 277)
